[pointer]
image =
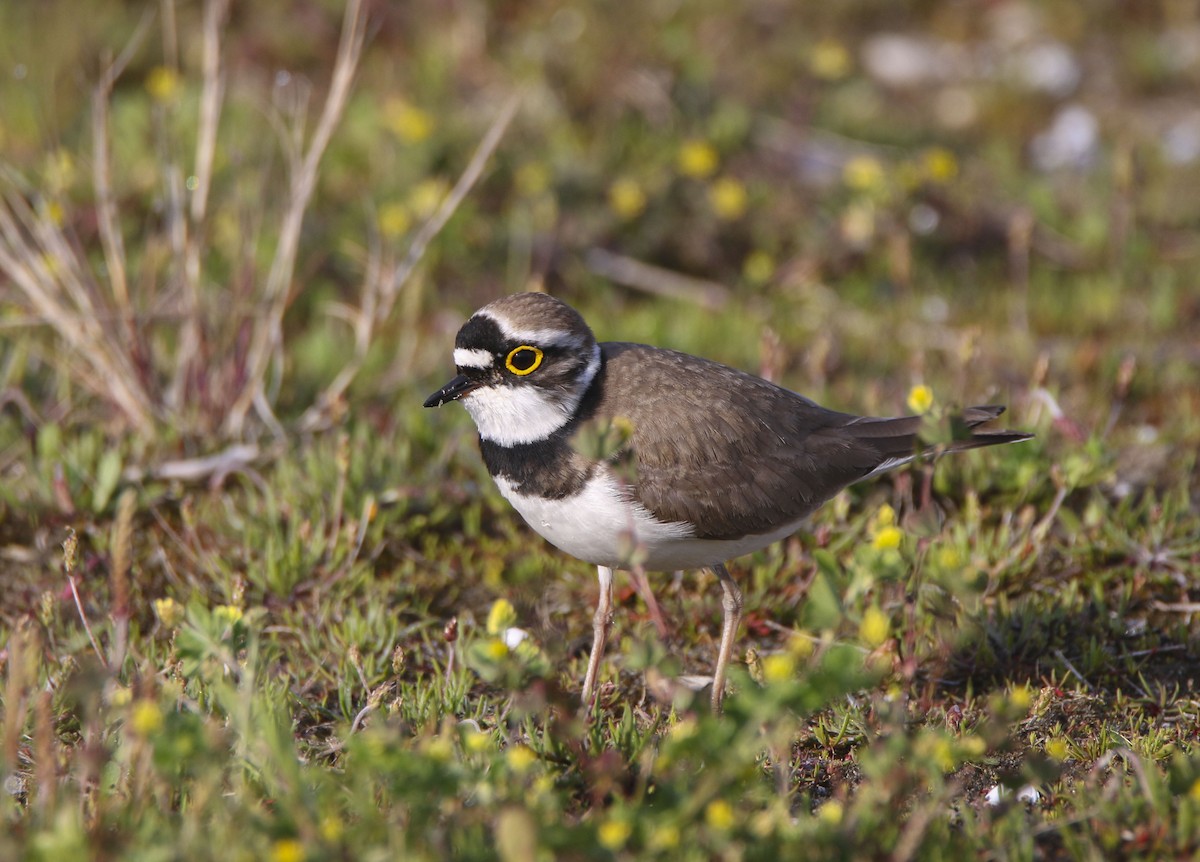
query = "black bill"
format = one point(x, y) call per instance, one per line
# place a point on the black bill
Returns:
point(452, 391)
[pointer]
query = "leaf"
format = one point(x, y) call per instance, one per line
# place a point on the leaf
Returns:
point(108, 475)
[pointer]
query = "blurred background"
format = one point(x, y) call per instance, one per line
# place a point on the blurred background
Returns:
point(852, 198)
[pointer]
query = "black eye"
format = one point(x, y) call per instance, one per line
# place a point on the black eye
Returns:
point(523, 360)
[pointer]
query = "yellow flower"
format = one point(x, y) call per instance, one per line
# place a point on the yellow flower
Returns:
point(532, 178)
point(501, 616)
point(664, 837)
point(875, 626)
point(939, 165)
point(683, 730)
point(830, 60)
point(162, 83)
point(168, 611)
point(477, 742)
point(887, 539)
point(831, 812)
point(407, 122)
point(1194, 791)
point(626, 198)
point(758, 267)
point(920, 398)
point(520, 758)
point(1058, 748)
point(718, 814)
point(613, 834)
point(427, 196)
point(697, 159)
point(727, 197)
point(885, 517)
point(779, 667)
point(973, 746)
point(120, 696)
point(1021, 697)
point(863, 174)
point(495, 649)
point(332, 828)
point(949, 558)
point(800, 646)
point(146, 718)
point(394, 219)
point(228, 613)
point(287, 850)
point(54, 212)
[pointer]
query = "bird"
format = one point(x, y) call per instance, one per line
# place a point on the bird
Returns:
point(625, 455)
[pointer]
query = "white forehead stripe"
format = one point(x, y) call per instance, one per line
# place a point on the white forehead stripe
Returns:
point(472, 358)
point(539, 337)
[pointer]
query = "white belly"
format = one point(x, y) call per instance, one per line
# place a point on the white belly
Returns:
point(601, 527)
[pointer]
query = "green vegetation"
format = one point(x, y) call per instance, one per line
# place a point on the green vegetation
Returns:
point(255, 599)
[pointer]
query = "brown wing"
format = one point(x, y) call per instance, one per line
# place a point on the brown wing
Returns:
point(736, 455)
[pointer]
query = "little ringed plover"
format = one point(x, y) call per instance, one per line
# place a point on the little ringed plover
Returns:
point(705, 463)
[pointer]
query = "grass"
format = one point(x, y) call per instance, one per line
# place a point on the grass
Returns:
point(257, 601)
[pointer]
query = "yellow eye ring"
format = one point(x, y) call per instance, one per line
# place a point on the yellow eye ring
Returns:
point(520, 362)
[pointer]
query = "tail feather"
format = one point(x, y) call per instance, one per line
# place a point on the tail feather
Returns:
point(897, 440)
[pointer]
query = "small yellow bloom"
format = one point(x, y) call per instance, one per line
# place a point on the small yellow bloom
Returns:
point(887, 539)
point(168, 611)
point(1058, 748)
point(697, 159)
point(664, 837)
point(520, 758)
point(162, 83)
point(1194, 791)
point(939, 165)
point(120, 696)
point(427, 196)
point(942, 752)
point(146, 719)
point(830, 60)
point(407, 122)
point(228, 613)
point(394, 219)
point(501, 616)
point(972, 746)
point(885, 517)
point(495, 649)
point(875, 626)
point(613, 833)
point(476, 742)
point(831, 812)
point(718, 814)
point(626, 198)
point(683, 730)
point(54, 212)
point(287, 850)
point(949, 558)
point(728, 198)
point(1021, 697)
point(779, 667)
point(758, 267)
point(532, 178)
point(920, 398)
point(332, 828)
point(800, 646)
point(863, 174)
point(439, 748)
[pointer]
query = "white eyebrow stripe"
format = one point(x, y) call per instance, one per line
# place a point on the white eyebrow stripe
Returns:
point(539, 337)
point(472, 358)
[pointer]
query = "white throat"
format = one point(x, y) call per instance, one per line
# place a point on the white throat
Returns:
point(512, 415)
